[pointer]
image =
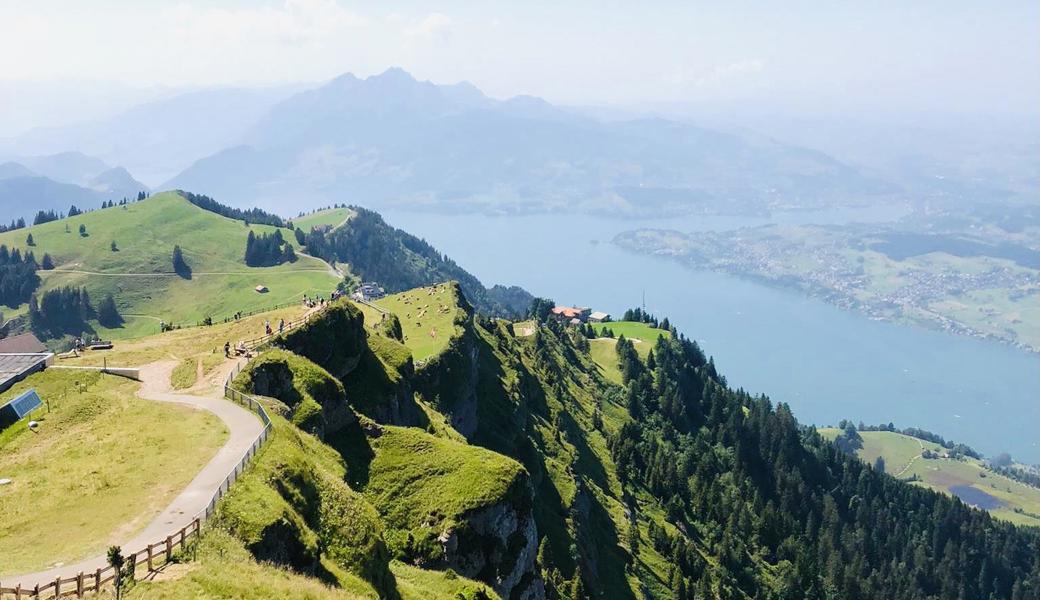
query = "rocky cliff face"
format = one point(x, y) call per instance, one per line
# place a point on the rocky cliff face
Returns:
point(498, 544)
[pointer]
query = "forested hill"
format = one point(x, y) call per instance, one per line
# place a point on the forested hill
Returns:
point(645, 474)
point(400, 261)
point(783, 512)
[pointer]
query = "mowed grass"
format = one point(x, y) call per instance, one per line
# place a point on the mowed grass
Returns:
point(642, 335)
point(98, 469)
point(140, 274)
point(427, 317)
point(330, 217)
point(902, 454)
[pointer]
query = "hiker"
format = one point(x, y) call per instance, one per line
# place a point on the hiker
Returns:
point(267, 327)
point(227, 349)
point(281, 325)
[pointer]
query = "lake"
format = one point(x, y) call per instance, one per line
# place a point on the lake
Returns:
point(828, 364)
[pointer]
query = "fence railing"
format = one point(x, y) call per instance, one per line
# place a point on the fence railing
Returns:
point(154, 555)
point(255, 343)
point(160, 553)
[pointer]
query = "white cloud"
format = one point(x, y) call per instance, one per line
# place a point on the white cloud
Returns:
point(434, 26)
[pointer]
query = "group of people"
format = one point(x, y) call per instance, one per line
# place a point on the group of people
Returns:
point(269, 331)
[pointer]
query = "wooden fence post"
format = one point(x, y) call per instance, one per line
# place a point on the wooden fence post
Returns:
point(18, 592)
point(97, 580)
point(169, 548)
point(79, 585)
point(57, 586)
point(150, 569)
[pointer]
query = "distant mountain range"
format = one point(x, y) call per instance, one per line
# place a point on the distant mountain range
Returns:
point(58, 181)
point(158, 139)
point(392, 140)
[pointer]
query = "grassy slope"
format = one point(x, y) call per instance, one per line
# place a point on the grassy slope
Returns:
point(902, 459)
point(427, 318)
point(332, 217)
point(415, 474)
point(642, 335)
point(145, 233)
point(97, 471)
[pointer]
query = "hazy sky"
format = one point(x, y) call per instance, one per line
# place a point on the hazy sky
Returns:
point(944, 55)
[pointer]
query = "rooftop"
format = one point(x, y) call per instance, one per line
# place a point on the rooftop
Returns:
point(13, 366)
point(25, 343)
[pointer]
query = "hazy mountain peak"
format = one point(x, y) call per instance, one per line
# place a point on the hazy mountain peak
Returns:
point(11, 169)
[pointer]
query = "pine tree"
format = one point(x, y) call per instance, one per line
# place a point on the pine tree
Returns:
point(29, 241)
point(114, 247)
point(108, 314)
point(47, 263)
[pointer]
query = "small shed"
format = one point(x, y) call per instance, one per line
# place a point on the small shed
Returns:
point(261, 289)
point(599, 317)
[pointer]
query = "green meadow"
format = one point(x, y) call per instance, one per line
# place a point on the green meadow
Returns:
point(97, 469)
point(329, 217)
point(139, 273)
point(642, 335)
point(427, 317)
point(903, 459)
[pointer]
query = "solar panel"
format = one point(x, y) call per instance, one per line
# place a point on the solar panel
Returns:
point(19, 407)
point(25, 403)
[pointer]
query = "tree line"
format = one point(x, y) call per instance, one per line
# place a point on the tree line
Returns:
point(252, 215)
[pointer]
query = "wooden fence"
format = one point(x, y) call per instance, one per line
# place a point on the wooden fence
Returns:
point(154, 555)
point(160, 553)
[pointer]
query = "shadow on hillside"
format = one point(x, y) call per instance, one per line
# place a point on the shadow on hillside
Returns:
point(352, 444)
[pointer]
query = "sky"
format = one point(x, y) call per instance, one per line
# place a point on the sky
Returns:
point(949, 56)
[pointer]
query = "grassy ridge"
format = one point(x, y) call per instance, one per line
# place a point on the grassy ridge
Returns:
point(331, 217)
point(140, 274)
point(427, 317)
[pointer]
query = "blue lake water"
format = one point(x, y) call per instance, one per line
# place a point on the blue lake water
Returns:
point(828, 364)
point(976, 497)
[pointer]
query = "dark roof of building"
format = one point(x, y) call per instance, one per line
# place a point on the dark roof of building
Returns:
point(25, 343)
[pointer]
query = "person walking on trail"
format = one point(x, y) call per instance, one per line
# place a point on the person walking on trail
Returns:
point(267, 327)
point(227, 349)
point(281, 325)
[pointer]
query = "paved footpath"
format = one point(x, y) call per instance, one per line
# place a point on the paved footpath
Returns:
point(243, 427)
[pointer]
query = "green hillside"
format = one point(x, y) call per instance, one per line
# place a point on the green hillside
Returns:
point(1004, 498)
point(140, 276)
point(329, 217)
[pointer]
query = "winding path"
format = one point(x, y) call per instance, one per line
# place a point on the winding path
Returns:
point(912, 460)
point(243, 428)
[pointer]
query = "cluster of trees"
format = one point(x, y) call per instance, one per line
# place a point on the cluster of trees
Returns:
point(400, 261)
point(18, 278)
point(641, 316)
point(785, 514)
point(252, 215)
point(15, 224)
point(46, 216)
point(955, 449)
point(61, 311)
point(124, 201)
point(266, 250)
